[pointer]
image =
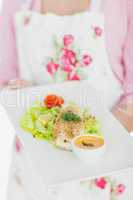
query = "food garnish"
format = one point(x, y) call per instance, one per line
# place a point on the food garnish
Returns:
point(69, 116)
point(53, 100)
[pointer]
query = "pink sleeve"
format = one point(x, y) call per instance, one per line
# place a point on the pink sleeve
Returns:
point(8, 54)
point(128, 55)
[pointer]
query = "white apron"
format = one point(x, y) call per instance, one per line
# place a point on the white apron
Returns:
point(53, 49)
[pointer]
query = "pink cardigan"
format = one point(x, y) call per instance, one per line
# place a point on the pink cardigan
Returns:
point(119, 40)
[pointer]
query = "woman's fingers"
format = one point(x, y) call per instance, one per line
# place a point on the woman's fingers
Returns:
point(129, 109)
point(124, 118)
point(18, 84)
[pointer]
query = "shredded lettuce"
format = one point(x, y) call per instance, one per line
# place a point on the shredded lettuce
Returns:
point(92, 126)
point(39, 121)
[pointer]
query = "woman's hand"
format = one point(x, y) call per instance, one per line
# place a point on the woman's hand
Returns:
point(125, 115)
point(18, 84)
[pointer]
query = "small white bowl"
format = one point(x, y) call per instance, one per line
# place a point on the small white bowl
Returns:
point(88, 155)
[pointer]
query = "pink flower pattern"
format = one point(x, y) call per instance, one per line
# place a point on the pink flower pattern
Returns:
point(87, 59)
point(68, 39)
point(98, 31)
point(18, 145)
point(120, 189)
point(52, 67)
point(68, 62)
point(101, 183)
point(26, 20)
point(115, 190)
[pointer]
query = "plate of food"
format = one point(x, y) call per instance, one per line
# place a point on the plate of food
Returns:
point(63, 126)
point(59, 123)
point(66, 126)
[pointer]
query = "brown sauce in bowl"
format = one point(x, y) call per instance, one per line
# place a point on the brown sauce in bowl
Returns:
point(89, 142)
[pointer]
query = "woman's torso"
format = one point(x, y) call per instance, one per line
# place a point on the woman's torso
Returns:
point(54, 48)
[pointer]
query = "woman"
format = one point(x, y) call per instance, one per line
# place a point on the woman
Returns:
point(119, 48)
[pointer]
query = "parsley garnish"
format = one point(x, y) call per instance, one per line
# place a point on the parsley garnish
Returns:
point(69, 116)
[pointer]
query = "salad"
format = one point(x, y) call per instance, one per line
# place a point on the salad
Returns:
point(57, 122)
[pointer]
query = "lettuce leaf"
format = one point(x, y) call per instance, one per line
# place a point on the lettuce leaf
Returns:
point(92, 126)
point(39, 121)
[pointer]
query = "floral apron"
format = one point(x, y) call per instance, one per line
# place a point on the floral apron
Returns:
point(54, 49)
